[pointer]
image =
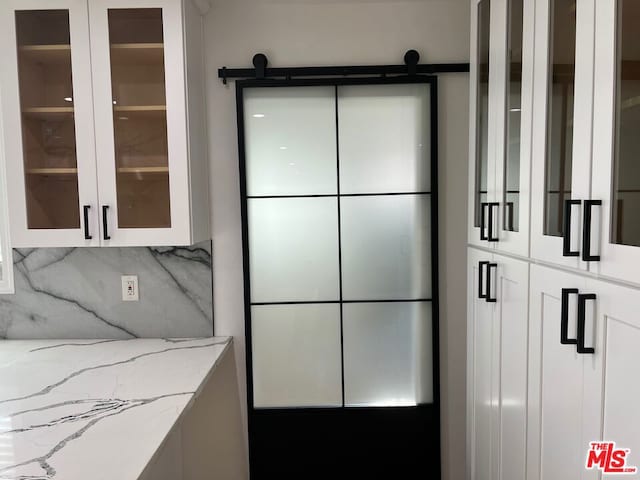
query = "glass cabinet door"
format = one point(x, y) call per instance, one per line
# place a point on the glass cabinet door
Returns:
point(513, 136)
point(562, 127)
point(616, 146)
point(48, 128)
point(139, 117)
point(140, 111)
point(511, 197)
point(482, 171)
point(48, 122)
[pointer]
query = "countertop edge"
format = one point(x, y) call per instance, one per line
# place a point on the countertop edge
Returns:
point(228, 341)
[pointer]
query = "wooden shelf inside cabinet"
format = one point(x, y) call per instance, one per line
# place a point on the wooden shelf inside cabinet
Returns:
point(140, 108)
point(143, 169)
point(47, 112)
point(53, 171)
point(137, 53)
point(46, 54)
point(137, 111)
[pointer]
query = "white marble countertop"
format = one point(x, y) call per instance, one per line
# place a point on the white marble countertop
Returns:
point(95, 409)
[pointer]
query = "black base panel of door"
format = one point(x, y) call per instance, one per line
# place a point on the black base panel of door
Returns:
point(355, 443)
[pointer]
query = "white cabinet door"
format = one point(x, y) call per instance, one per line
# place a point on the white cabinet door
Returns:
point(482, 379)
point(497, 333)
point(562, 126)
point(615, 391)
point(48, 123)
point(562, 401)
point(511, 321)
point(616, 174)
point(484, 92)
point(138, 60)
point(515, 43)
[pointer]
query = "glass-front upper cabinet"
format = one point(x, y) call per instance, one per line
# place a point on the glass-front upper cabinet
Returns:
point(481, 178)
point(501, 107)
point(616, 143)
point(561, 128)
point(106, 127)
point(141, 134)
point(513, 122)
point(48, 116)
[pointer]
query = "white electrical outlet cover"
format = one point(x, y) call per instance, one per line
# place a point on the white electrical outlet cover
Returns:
point(130, 291)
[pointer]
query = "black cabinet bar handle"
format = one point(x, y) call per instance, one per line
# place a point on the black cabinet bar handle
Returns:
point(492, 205)
point(481, 266)
point(566, 237)
point(582, 301)
point(483, 220)
point(508, 216)
point(586, 232)
point(105, 210)
point(488, 297)
point(564, 317)
point(87, 234)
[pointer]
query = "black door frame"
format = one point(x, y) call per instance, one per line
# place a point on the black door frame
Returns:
point(336, 434)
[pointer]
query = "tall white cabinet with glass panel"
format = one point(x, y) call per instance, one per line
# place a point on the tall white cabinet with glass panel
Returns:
point(482, 195)
point(561, 128)
point(513, 137)
point(616, 174)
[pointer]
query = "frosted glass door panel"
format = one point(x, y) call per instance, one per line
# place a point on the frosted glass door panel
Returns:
point(386, 247)
point(296, 355)
point(388, 354)
point(290, 141)
point(384, 138)
point(293, 249)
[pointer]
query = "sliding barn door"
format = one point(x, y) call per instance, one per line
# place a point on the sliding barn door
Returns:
point(340, 245)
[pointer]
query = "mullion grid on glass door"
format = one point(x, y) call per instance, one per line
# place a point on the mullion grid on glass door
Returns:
point(339, 244)
point(419, 193)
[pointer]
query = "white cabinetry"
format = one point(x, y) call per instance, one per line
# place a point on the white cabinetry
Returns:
point(578, 395)
point(585, 180)
point(104, 122)
point(501, 114)
point(579, 139)
point(497, 365)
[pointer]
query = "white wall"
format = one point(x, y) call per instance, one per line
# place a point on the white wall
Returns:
point(346, 32)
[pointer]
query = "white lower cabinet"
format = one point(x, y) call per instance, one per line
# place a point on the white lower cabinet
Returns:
point(497, 366)
point(582, 390)
point(558, 416)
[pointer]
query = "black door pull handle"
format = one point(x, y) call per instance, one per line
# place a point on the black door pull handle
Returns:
point(586, 232)
point(481, 266)
point(483, 220)
point(564, 317)
point(87, 234)
point(105, 210)
point(508, 216)
point(492, 205)
point(489, 298)
point(582, 304)
point(566, 235)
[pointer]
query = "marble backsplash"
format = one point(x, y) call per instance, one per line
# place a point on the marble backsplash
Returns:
point(77, 293)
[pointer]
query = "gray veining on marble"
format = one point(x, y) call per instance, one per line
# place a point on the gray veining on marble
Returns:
point(96, 400)
point(76, 293)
